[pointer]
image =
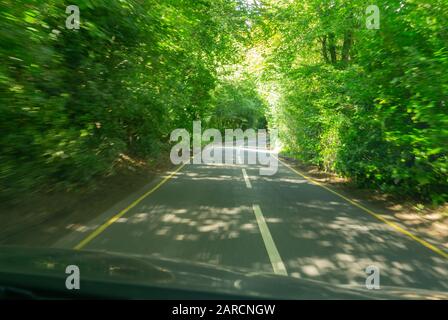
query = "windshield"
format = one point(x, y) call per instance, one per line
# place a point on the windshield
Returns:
point(256, 148)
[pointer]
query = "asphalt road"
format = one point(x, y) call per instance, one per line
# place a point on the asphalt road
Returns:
point(230, 215)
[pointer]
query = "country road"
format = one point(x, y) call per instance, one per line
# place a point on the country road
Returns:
point(230, 215)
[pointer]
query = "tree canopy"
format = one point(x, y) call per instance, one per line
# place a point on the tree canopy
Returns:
point(368, 104)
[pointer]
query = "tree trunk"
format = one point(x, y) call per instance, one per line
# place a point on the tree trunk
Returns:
point(346, 48)
point(332, 47)
point(324, 49)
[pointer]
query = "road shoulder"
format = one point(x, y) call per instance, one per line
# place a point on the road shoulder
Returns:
point(429, 224)
point(43, 218)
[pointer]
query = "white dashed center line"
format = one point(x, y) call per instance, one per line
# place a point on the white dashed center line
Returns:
point(246, 179)
point(274, 255)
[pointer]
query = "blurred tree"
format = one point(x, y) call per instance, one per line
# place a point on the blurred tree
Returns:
point(73, 100)
point(368, 104)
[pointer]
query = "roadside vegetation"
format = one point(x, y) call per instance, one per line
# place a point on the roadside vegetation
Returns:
point(367, 104)
point(74, 102)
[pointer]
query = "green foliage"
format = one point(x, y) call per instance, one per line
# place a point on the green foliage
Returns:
point(237, 104)
point(368, 104)
point(376, 113)
point(72, 101)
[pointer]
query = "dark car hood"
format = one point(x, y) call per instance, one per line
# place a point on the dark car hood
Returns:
point(157, 277)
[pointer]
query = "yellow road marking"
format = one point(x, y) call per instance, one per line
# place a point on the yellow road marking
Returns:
point(389, 223)
point(104, 226)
